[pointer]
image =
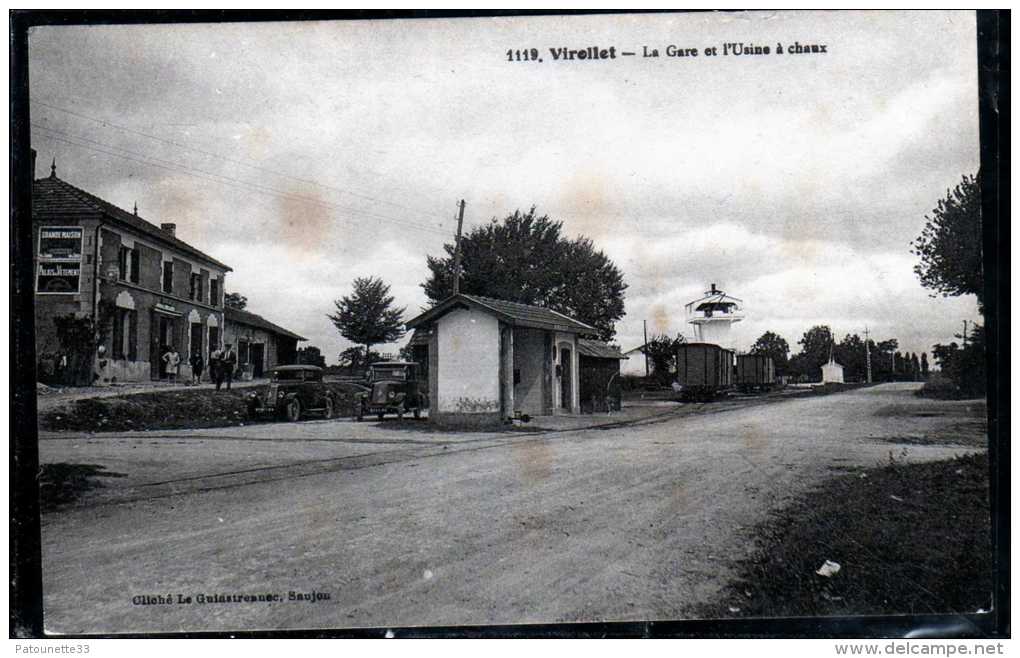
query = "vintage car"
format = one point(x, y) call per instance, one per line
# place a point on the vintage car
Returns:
point(395, 389)
point(292, 392)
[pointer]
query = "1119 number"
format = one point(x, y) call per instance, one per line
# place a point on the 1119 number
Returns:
point(524, 55)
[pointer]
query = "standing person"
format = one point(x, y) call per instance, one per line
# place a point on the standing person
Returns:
point(229, 362)
point(216, 367)
point(171, 361)
point(196, 367)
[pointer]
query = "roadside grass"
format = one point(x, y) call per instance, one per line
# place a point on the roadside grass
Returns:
point(168, 409)
point(909, 539)
point(148, 411)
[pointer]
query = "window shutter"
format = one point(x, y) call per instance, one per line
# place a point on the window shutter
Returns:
point(133, 335)
point(134, 266)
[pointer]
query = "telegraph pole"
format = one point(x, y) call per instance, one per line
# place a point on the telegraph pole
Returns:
point(456, 250)
point(867, 353)
point(645, 350)
point(965, 333)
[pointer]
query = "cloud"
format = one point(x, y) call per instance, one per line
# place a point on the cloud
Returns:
point(341, 148)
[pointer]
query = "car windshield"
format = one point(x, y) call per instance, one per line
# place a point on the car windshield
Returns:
point(397, 372)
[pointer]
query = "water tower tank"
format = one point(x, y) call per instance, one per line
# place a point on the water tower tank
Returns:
point(713, 314)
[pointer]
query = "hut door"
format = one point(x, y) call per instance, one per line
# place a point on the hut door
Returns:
point(566, 379)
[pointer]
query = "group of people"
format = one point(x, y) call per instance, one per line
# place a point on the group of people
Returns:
point(222, 364)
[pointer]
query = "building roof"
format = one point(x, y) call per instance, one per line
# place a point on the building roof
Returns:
point(598, 349)
point(253, 320)
point(56, 200)
point(524, 315)
point(713, 299)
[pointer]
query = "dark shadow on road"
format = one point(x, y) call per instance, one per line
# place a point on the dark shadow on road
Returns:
point(64, 483)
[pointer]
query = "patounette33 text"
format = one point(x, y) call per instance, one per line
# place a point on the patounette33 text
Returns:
point(598, 53)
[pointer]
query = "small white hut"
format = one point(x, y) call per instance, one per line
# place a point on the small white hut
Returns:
point(832, 371)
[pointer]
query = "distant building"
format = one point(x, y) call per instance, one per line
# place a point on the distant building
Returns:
point(94, 259)
point(832, 371)
point(490, 359)
point(634, 364)
point(260, 344)
point(599, 376)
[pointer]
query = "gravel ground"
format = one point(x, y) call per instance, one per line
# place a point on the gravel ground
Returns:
point(404, 527)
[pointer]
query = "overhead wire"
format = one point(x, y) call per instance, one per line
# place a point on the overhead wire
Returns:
point(105, 122)
point(76, 140)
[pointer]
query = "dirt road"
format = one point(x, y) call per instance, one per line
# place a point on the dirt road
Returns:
point(404, 527)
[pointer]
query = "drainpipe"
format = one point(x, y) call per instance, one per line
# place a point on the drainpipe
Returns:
point(95, 295)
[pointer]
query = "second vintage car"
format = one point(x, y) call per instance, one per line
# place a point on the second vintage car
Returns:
point(396, 389)
point(293, 392)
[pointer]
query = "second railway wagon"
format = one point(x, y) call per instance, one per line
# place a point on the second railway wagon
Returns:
point(755, 372)
point(703, 370)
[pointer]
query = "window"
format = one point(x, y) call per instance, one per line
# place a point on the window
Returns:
point(127, 264)
point(123, 263)
point(168, 276)
point(196, 287)
point(214, 292)
point(125, 334)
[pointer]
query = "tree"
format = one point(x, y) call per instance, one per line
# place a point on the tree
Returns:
point(312, 356)
point(661, 351)
point(814, 351)
point(775, 346)
point(235, 300)
point(80, 338)
point(924, 365)
point(525, 259)
point(353, 358)
point(950, 244)
point(367, 316)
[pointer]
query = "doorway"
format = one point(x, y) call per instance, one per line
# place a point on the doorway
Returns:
point(162, 336)
point(257, 357)
point(566, 380)
point(196, 340)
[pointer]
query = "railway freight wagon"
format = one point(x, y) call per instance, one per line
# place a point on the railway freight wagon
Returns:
point(703, 370)
point(755, 372)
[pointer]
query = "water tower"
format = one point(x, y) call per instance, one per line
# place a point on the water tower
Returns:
point(712, 316)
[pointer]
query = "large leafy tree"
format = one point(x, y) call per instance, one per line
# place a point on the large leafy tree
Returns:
point(949, 246)
point(814, 351)
point(525, 258)
point(661, 351)
point(235, 300)
point(367, 316)
point(773, 345)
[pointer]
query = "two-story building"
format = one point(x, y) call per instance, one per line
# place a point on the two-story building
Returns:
point(151, 290)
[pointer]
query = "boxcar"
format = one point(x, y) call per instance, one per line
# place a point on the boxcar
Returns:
point(755, 372)
point(703, 370)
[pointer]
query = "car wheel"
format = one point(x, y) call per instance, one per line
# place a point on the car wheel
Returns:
point(293, 410)
point(328, 413)
point(380, 416)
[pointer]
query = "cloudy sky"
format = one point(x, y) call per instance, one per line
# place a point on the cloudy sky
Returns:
point(306, 154)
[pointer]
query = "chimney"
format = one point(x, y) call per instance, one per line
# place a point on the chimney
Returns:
point(713, 289)
point(170, 228)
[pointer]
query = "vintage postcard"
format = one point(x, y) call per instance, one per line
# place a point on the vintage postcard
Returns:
point(509, 320)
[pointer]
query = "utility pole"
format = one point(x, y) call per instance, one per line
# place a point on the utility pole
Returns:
point(645, 350)
point(867, 353)
point(456, 250)
point(965, 333)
